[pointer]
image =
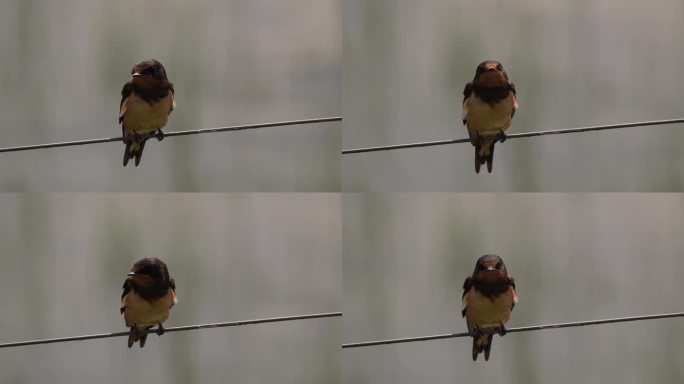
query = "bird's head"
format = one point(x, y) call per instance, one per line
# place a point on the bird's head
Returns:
point(149, 72)
point(490, 74)
point(149, 271)
point(490, 269)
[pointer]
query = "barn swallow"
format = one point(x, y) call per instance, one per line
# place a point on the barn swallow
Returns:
point(148, 295)
point(489, 104)
point(146, 102)
point(488, 300)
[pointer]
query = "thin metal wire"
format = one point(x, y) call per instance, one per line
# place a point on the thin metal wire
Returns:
point(172, 134)
point(173, 329)
point(516, 135)
point(513, 330)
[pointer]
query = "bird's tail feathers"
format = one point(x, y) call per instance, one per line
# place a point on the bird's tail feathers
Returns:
point(481, 344)
point(134, 149)
point(487, 345)
point(490, 158)
point(484, 153)
point(136, 335)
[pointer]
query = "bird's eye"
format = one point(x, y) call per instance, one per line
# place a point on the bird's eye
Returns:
point(480, 267)
point(149, 71)
point(499, 265)
point(499, 67)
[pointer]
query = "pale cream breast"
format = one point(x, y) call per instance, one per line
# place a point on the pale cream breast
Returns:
point(142, 314)
point(488, 313)
point(488, 119)
point(144, 118)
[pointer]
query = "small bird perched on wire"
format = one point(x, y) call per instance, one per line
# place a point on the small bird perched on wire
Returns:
point(148, 295)
point(146, 102)
point(487, 302)
point(489, 104)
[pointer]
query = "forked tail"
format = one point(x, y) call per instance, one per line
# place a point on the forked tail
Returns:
point(136, 335)
point(484, 153)
point(134, 149)
point(482, 343)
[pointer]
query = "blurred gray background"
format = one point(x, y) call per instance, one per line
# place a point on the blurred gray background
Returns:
point(234, 257)
point(575, 63)
point(63, 65)
point(574, 256)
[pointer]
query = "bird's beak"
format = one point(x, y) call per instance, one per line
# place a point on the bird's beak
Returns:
point(131, 274)
point(490, 69)
point(137, 74)
point(491, 269)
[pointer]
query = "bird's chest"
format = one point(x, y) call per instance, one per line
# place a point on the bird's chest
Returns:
point(142, 313)
point(488, 312)
point(489, 118)
point(143, 117)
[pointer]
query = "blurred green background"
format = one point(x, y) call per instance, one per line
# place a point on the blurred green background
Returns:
point(575, 63)
point(574, 256)
point(63, 65)
point(234, 257)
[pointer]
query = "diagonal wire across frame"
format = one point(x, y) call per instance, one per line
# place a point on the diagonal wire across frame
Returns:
point(514, 330)
point(173, 329)
point(173, 134)
point(516, 135)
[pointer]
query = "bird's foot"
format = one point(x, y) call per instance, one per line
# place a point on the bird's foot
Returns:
point(160, 135)
point(502, 136)
point(160, 330)
point(502, 330)
point(476, 332)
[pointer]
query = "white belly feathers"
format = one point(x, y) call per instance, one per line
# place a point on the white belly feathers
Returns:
point(487, 119)
point(143, 314)
point(143, 117)
point(487, 313)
